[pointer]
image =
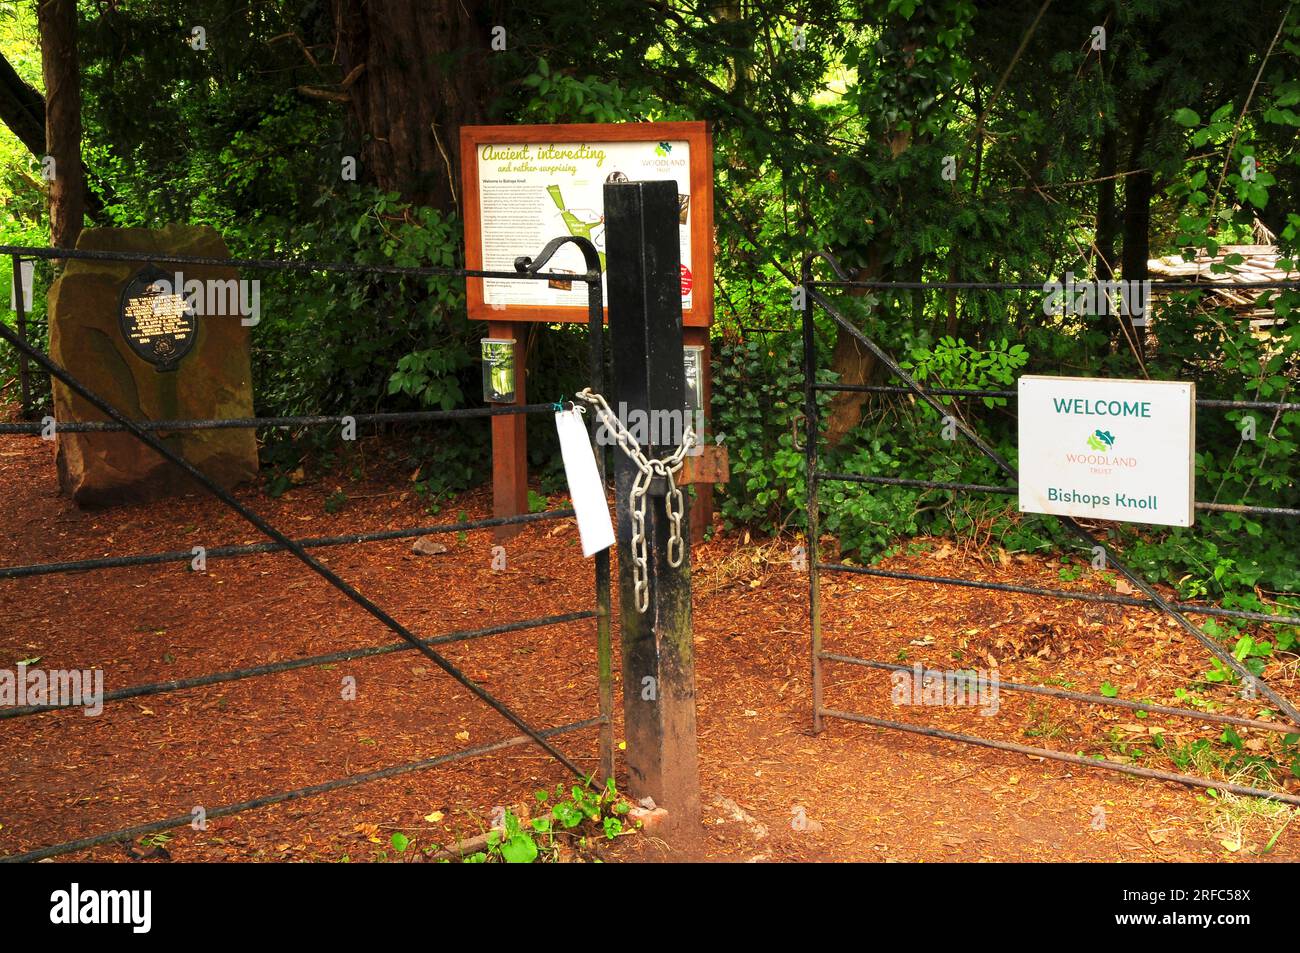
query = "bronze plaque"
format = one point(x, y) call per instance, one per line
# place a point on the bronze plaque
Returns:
point(156, 321)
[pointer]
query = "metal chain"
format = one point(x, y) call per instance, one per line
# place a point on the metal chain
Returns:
point(647, 470)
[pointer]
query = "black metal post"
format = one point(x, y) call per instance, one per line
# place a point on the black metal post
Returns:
point(596, 376)
point(645, 322)
point(604, 645)
point(810, 451)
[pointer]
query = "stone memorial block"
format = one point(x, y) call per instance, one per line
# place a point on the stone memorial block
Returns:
point(155, 350)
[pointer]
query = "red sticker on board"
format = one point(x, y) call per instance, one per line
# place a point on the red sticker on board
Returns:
point(687, 281)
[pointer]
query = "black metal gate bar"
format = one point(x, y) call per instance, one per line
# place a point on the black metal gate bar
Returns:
point(289, 665)
point(274, 264)
point(130, 833)
point(845, 282)
point(525, 265)
point(247, 549)
point(811, 294)
point(1114, 599)
point(604, 643)
point(1030, 750)
point(249, 423)
point(1011, 491)
point(1072, 696)
point(813, 425)
point(973, 392)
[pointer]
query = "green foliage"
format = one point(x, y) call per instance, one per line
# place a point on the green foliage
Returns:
point(952, 364)
point(757, 412)
point(572, 815)
point(561, 97)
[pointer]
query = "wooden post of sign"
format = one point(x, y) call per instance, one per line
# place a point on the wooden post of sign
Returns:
point(645, 326)
point(702, 505)
point(510, 439)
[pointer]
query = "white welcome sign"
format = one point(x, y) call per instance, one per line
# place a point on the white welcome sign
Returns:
point(1108, 449)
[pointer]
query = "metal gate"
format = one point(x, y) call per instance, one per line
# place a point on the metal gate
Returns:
point(527, 269)
point(813, 296)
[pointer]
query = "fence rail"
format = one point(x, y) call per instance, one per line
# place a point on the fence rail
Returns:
point(971, 392)
point(39, 428)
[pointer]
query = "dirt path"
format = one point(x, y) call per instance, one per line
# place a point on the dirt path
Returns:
point(865, 794)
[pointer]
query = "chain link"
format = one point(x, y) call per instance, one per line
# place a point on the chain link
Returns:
point(647, 470)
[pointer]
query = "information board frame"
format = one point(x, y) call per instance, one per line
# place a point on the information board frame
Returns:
point(700, 220)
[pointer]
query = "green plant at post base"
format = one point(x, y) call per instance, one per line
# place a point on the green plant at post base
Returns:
point(570, 814)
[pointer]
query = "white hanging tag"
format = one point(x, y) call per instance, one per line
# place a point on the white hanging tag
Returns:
point(25, 278)
point(585, 489)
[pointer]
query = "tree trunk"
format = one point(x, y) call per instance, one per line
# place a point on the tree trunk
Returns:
point(853, 363)
point(1107, 216)
point(1138, 188)
point(57, 20)
point(856, 365)
point(424, 74)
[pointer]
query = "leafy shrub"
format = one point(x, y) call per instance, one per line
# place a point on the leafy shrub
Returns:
point(757, 410)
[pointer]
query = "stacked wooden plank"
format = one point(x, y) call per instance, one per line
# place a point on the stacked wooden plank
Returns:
point(1259, 263)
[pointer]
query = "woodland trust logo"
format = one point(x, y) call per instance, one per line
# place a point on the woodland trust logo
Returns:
point(1100, 440)
point(663, 149)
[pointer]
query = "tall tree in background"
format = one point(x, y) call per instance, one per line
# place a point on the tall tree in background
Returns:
point(58, 28)
point(415, 71)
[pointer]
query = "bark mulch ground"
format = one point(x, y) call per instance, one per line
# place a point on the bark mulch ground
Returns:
point(773, 790)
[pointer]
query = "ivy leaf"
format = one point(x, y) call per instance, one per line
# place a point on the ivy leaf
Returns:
point(519, 849)
point(567, 814)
